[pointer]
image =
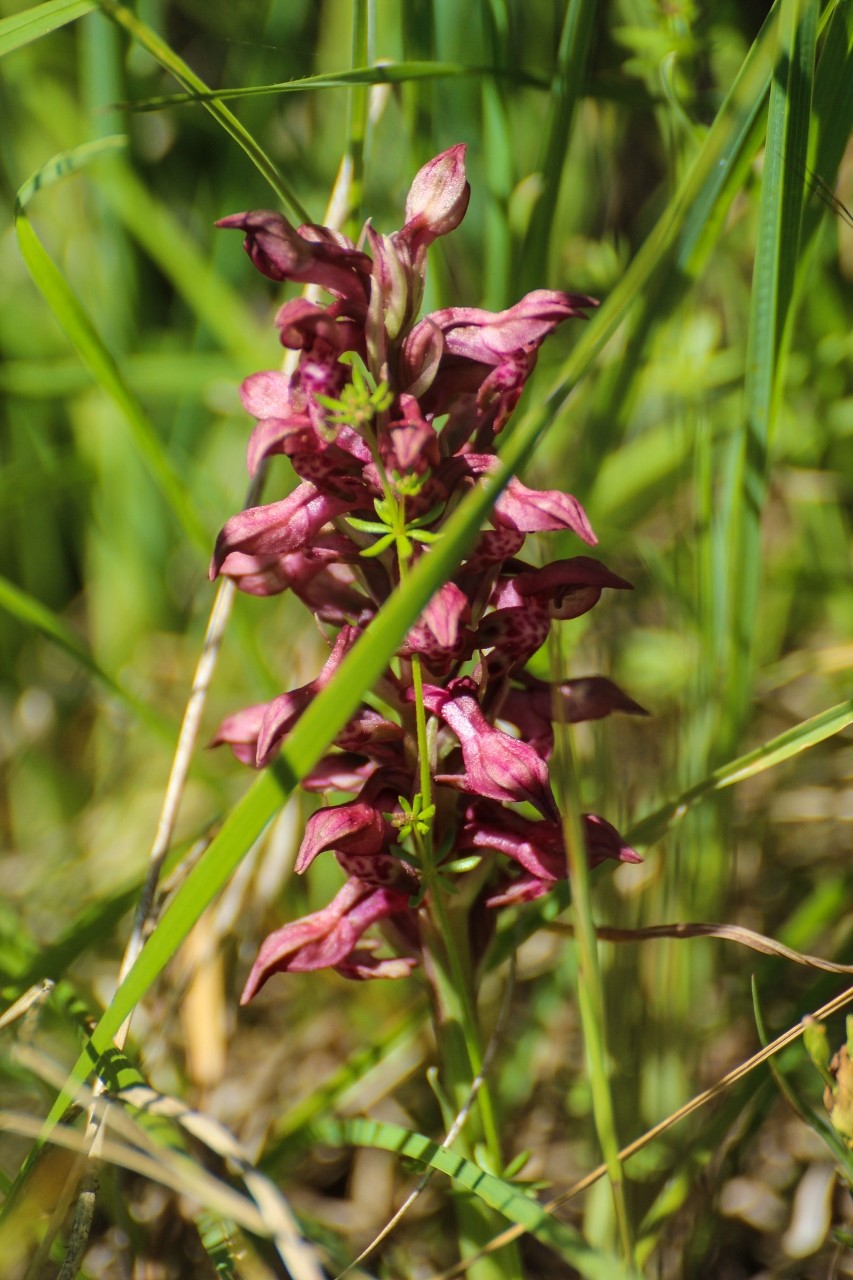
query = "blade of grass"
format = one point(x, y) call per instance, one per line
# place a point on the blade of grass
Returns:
point(34, 615)
point(22, 28)
point(512, 1203)
point(166, 56)
point(499, 161)
point(787, 744)
point(384, 73)
point(589, 983)
point(79, 328)
point(780, 214)
point(819, 1124)
point(357, 122)
point(832, 113)
point(566, 87)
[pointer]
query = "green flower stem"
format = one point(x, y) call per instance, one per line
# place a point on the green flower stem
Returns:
point(423, 745)
point(457, 1030)
point(357, 123)
point(590, 990)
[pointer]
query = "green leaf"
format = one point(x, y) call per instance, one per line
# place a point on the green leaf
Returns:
point(787, 744)
point(167, 58)
point(518, 1208)
point(79, 328)
point(384, 73)
point(32, 614)
point(816, 1121)
point(567, 87)
point(22, 28)
point(777, 250)
point(65, 163)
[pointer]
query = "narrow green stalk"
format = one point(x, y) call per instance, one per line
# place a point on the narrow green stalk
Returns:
point(590, 990)
point(357, 121)
point(423, 745)
point(566, 89)
point(497, 153)
point(166, 56)
point(459, 993)
point(457, 1030)
point(776, 253)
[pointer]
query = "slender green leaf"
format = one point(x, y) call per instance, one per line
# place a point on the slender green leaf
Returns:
point(167, 58)
point(33, 614)
point(566, 88)
point(73, 319)
point(590, 988)
point(22, 28)
point(777, 750)
point(777, 249)
point(513, 1204)
point(383, 73)
point(67, 162)
point(817, 1122)
point(832, 111)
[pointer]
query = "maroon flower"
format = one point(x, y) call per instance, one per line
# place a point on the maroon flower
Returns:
point(384, 455)
point(328, 939)
point(279, 527)
point(311, 255)
point(496, 765)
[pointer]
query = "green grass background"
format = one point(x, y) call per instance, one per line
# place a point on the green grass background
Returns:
point(671, 160)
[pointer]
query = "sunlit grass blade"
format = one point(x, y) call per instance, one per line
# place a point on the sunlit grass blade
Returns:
point(34, 615)
point(787, 744)
point(71, 316)
point(167, 58)
point(22, 28)
point(383, 73)
point(777, 249)
point(512, 1203)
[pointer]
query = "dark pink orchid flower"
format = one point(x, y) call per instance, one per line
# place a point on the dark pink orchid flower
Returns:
point(382, 459)
point(329, 939)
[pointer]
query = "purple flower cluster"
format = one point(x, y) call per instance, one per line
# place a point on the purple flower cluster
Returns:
point(387, 421)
